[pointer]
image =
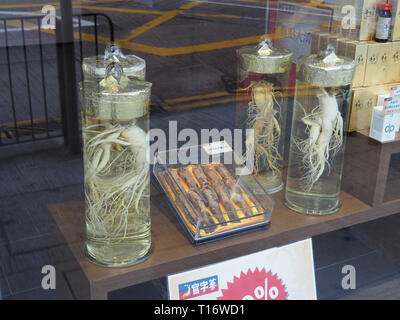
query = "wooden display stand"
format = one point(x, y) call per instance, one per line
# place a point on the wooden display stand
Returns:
point(174, 253)
point(364, 183)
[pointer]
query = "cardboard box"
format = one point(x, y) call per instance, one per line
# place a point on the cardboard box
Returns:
point(395, 30)
point(340, 51)
point(383, 126)
point(384, 63)
point(320, 41)
point(391, 105)
point(381, 98)
point(393, 73)
point(377, 66)
point(323, 41)
point(371, 68)
point(358, 51)
point(341, 45)
point(362, 103)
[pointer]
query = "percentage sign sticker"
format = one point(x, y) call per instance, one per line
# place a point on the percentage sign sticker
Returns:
point(255, 285)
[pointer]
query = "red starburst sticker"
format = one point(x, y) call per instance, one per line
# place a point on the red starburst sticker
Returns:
point(255, 285)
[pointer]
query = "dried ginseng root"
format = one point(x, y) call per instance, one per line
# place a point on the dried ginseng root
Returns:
point(200, 176)
point(198, 198)
point(212, 200)
point(224, 198)
point(222, 193)
point(227, 177)
point(198, 203)
point(188, 178)
point(178, 186)
point(209, 194)
point(190, 181)
point(235, 189)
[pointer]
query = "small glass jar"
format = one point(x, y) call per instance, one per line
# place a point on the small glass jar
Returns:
point(263, 77)
point(320, 115)
point(115, 122)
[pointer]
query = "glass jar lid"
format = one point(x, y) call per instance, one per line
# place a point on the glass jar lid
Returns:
point(325, 69)
point(264, 58)
point(116, 93)
point(96, 67)
point(122, 101)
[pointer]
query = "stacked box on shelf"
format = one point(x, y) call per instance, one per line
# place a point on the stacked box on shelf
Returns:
point(364, 99)
point(341, 46)
point(377, 69)
point(382, 71)
point(316, 44)
point(377, 65)
point(394, 69)
point(395, 32)
point(358, 51)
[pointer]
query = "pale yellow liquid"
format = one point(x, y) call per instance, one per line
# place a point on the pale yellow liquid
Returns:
point(114, 237)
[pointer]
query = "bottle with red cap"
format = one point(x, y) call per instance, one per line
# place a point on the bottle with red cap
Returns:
point(384, 22)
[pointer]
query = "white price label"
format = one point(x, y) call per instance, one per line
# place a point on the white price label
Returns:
point(217, 147)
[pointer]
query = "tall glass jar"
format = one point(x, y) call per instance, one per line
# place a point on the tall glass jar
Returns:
point(263, 77)
point(320, 115)
point(115, 122)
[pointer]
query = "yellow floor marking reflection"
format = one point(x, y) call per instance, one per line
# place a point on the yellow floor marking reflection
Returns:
point(33, 5)
point(165, 52)
point(197, 97)
point(190, 5)
point(199, 104)
point(122, 10)
point(167, 16)
point(150, 25)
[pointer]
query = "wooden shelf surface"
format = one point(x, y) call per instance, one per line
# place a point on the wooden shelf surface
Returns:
point(174, 253)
